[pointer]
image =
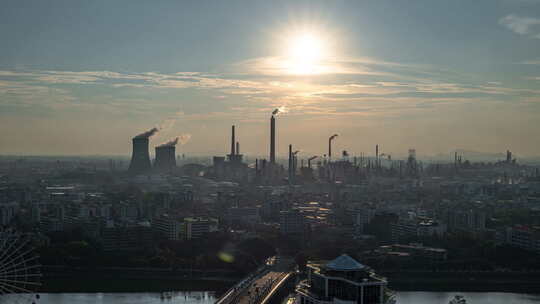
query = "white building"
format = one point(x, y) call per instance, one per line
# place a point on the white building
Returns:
point(343, 280)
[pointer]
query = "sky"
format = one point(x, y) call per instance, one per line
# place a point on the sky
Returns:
point(84, 77)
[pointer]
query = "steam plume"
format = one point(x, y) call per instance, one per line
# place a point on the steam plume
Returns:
point(170, 143)
point(282, 109)
point(182, 139)
point(148, 133)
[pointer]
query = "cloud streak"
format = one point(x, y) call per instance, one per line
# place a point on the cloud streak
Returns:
point(522, 25)
point(253, 88)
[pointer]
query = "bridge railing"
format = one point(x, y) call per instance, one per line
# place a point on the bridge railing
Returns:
point(232, 294)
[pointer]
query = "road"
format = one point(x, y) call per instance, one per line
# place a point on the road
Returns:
point(255, 288)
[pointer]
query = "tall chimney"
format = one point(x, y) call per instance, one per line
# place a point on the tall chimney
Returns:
point(329, 148)
point(290, 163)
point(232, 141)
point(377, 157)
point(272, 140)
point(238, 148)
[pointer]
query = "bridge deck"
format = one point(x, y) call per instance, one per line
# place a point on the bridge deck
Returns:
point(257, 287)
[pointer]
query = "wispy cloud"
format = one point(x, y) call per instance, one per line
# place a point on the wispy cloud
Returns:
point(522, 25)
point(251, 88)
point(530, 62)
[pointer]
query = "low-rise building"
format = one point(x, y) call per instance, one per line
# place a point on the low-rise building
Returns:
point(525, 237)
point(198, 227)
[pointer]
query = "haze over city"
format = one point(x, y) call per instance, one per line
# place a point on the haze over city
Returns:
point(270, 152)
point(84, 77)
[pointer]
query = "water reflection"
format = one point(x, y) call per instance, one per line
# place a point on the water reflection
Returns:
point(200, 297)
point(417, 297)
point(175, 297)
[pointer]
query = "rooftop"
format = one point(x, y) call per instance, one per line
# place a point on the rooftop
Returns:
point(345, 263)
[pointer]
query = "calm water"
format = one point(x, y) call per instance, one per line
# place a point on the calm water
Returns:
point(195, 297)
point(208, 297)
point(418, 297)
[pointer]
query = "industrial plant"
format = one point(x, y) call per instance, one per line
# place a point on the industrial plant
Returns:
point(165, 157)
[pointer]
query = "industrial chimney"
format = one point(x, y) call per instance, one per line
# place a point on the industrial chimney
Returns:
point(233, 152)
point(330, 139)
point(235, 155)
point(272, 139)
point(291, 174)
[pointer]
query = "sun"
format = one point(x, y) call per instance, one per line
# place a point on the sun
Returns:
point(307, 47)
point(305, 55)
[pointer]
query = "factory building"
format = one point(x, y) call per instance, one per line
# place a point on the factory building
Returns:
point(232, 168)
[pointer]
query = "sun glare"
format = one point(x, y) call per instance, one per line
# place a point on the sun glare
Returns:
point(306, 52)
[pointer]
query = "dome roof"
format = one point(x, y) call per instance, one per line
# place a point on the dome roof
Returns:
point(345, 263)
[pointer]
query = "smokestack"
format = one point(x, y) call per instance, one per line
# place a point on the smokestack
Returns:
point(330, 146)
point(377, 157)
point(309, 161)
point(290, 163)
point(295, 161)
point(232, 142)
point(272, 139)
point(238, 148)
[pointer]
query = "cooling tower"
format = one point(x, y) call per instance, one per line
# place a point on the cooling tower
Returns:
point(140, 159)
point(165, 158)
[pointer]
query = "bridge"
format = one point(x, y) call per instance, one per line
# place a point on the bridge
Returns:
point(263, 285)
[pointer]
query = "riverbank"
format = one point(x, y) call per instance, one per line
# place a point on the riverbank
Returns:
point(92, 284)
point(518, 282)
point(77, 280)
point(133, 280)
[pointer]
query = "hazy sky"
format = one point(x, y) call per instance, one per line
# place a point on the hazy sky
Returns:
point(83, 77)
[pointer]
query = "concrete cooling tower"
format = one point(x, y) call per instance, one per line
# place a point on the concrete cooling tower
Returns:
point(165, 158)
point(140, 159)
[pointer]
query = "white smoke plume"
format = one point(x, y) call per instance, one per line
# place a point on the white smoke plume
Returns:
point(282, 109)
point(148, 133)
point(182, 139)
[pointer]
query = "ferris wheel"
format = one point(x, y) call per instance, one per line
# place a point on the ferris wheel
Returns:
point(20, 275)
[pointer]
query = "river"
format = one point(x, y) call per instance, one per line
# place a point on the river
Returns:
point(197, 297)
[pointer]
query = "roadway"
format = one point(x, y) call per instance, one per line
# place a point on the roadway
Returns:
point(257, 287)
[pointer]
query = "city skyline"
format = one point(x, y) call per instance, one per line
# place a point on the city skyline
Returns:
point(82, 78)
